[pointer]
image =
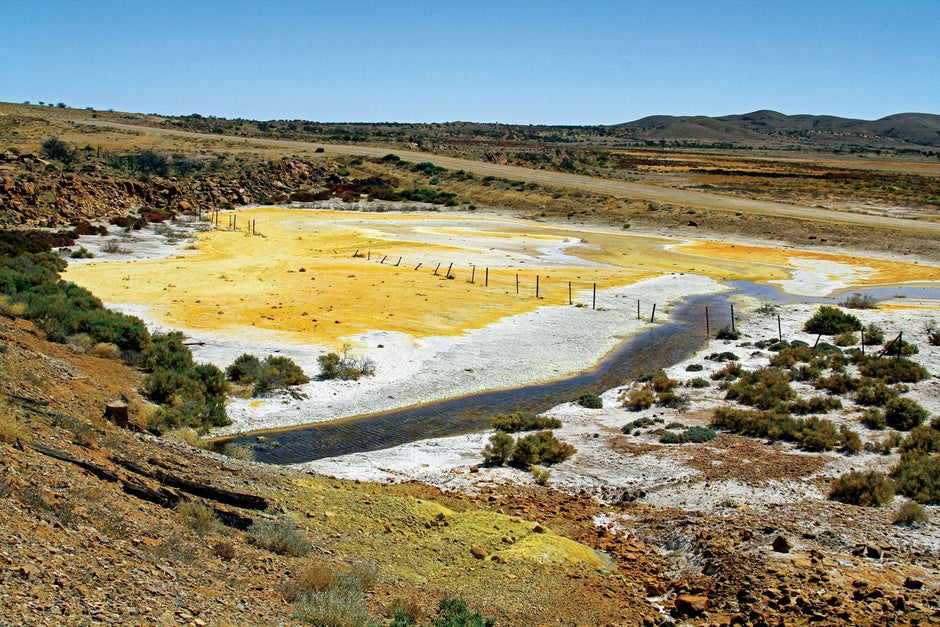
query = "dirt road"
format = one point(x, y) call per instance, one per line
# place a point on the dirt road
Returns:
point(686, 198)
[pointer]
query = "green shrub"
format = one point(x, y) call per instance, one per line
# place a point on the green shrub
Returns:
point(699, 383)
point(694, 368)
point(541, 447)
point(761, 424)
point(816, 434)
point(280, 536)
point(922, 439)
point(166, 351)
point(724, 356)
point(910, 514)
point(500, 447)
point(345, 366)
point(837, 383)
point(849, 441)
point(454, 613)
point(663, 384)
point(590, 401)
point(672, 400)
point(847, 338)
point(831, 321)
point(728, 333)
point(338, 606)
point(917, 476)
point(874, 335)
point(870, 489)
point(637, 424)
point(730, 372)
point(189, 397)
point(245, 370)
point(874, 418)
point(904, 413)
point(874, 393)
point(279, 372)
point(815, 405)
point(892, 370)
point(695, 435)
point(522, 421)
point(639, 399)
point(764, 389)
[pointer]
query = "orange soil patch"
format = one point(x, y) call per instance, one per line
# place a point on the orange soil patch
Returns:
point(882, 271)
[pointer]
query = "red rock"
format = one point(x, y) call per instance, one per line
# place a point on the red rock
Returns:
point(689, 605)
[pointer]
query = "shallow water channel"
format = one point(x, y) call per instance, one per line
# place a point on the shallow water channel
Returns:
point(658, 347)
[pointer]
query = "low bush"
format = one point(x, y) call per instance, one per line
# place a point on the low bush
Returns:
point(522, 421)
point(831, 321)
point(870, 489)
point(280, 536)
point(500, 447)
point(639, 399)
point(197, 517)
point(663, 384)
point(699, 383)
point(454, 613)
point(874, 392)
point(892, 370)
point(590, 401)
point(729, 373)
point(922, 439)
point(764, 389)
point(695, 435)
point(639, 423)
point(13, 428)
point(672, 400)
point(910, 514)
point(815, 405)
point(694, 368)
point(846, 339)
point(276, 372)
point(728, 333)
point(849, 441)
point(873, 334)
point(904, 413)
point(541, 447)
point(345, 366)
point(816, 434)
point(874, 418)
point(724, 356)
point(917, 476)
point(837, 383)
point(805, 373)
point(859, 301)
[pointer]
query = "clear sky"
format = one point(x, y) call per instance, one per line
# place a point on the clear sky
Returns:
point(538, 62)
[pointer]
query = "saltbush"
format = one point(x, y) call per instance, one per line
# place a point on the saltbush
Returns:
point(500, 447)
point(892, 370)
point(696, 435)
point(280, 536)
point(904, 413)
point(917, 476)
point(869, 489)
point(523, 421)
point(831, 321)
point(639, 399)
point(274, 373)
point(590, 401)
point(910, 514)
point(764, 389)
point(345, 366)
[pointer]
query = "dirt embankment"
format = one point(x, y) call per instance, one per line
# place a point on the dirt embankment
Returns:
point(31, 196)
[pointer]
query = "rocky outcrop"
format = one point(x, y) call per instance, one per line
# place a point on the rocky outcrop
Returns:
point(35, 193)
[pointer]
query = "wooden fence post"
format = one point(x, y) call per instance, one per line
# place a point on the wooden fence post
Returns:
point(536, 286)
point(418, 266)
point(487, 279)
point(473, 273)
point(517, 283)
point(653, 315)
point(437, 268)
point(594, 298)
point(569, 292)
point(708, 332)
point(732, 316)
point(780, 332)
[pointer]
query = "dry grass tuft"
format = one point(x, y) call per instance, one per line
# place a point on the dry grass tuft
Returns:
point(198, 517)
point(13, 429)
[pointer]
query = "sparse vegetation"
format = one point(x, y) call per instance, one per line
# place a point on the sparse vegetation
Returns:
point(590, 401)
point(541, 447)
point(695, 435)
point(522, 421)
point(859, 301)
point(870, 489)
point(344, 366)
point(280, 536)
point(728, 333)
point(910, 514)
point(764, 389)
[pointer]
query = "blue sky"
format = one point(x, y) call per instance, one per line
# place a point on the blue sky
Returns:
point(514, 62)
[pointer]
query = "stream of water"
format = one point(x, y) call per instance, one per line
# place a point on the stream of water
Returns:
point(647, 351)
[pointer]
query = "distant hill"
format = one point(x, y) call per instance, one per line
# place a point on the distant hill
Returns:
point(770, 127)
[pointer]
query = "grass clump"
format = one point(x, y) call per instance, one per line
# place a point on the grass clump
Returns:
point(910, 514)
point(869, 489)
point(874, 335)
point(522, 421)
point(730, 372)
point(323, 594)
point(13, 429)
point(454, 613)
point(831, 321)
point(197, 516)
point(274, 373)
point(859, 301)
point(280, 536)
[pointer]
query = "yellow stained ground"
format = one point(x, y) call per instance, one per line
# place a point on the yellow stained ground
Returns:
point(301, 276)
point(880, 271)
